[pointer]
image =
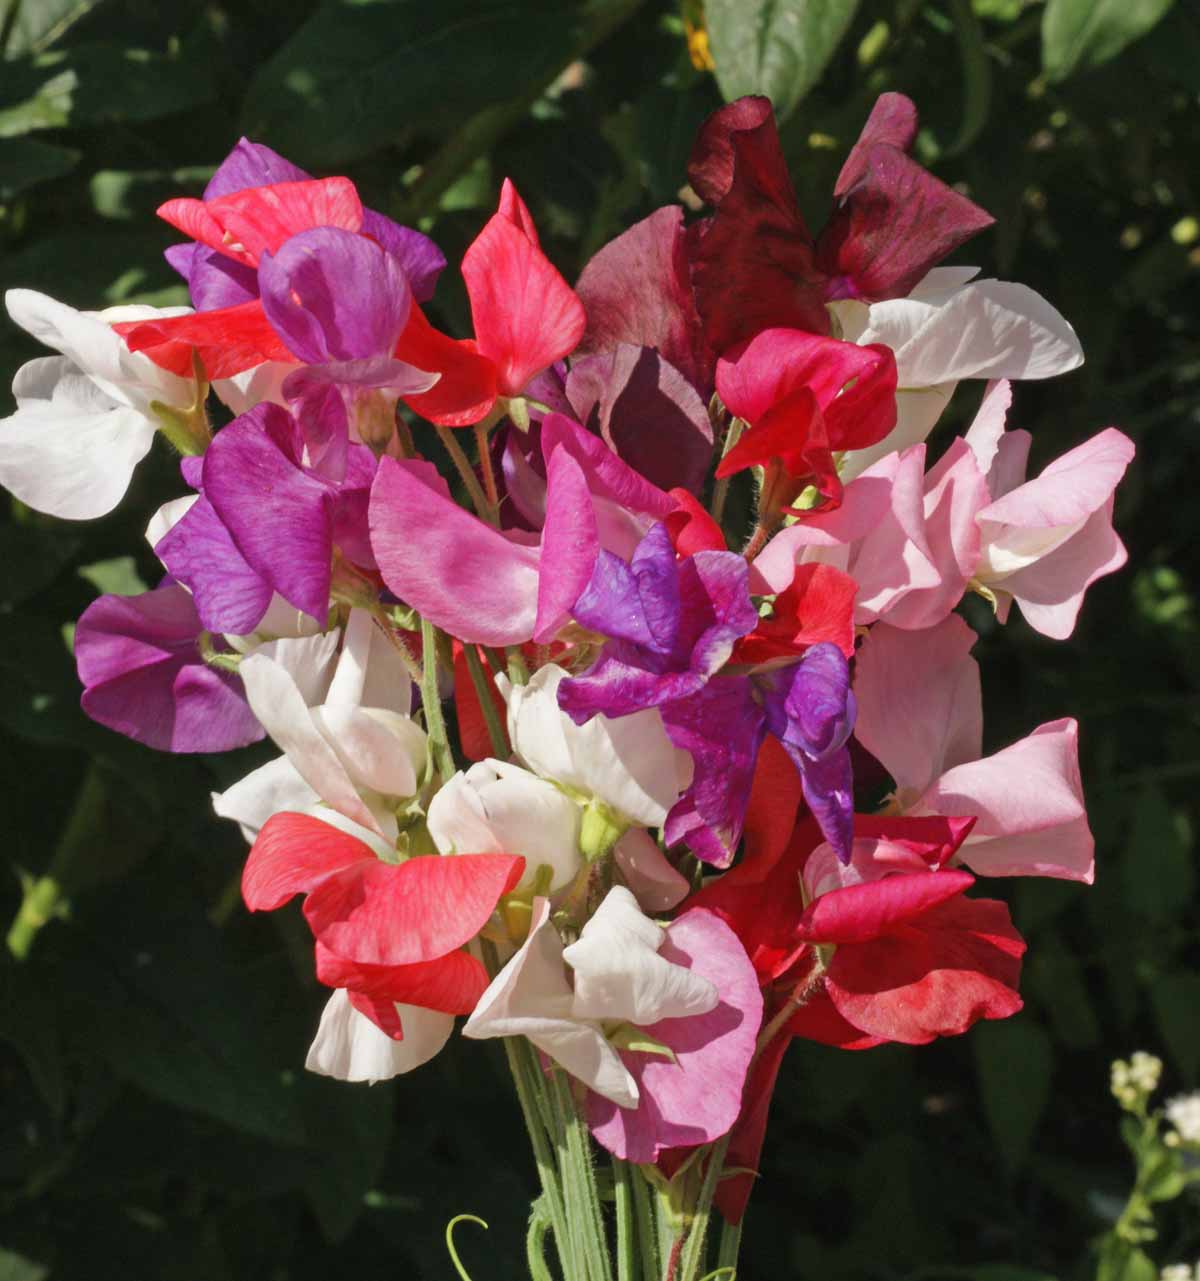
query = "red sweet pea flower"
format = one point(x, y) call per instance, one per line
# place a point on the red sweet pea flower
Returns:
point(887, 948)
point(525, 316)
point(805, 398)
point(754, 263)
point(817, 606)
point(388, 932)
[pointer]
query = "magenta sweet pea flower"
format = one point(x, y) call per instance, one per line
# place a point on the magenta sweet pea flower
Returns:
point(144, 676)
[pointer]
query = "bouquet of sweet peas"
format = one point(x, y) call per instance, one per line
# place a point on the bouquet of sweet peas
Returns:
point(612, 652)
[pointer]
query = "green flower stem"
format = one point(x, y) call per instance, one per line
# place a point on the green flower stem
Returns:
point(535, 1241)
point(485, 465)
point(431, 700)
point(731, 1243)
point(483, 508)
point(483, 691)
point(644, 1215)
point(627, 1260)
point(518, 1052)
point(693, 1251)
point(721, 486)
point(583, 1199)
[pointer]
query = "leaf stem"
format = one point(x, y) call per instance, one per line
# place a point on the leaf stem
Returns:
point(431, 701)
point(462, 465)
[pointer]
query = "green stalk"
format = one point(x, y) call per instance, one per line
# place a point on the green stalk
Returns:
point(721, 486)
point(583, 1205)
point(483, 691)
point(731, 1243)
point(431, 700)
point(647, 1242)
point(483, 509)
point(693, 1251)
point(535, 1241)
point(626, 1245)
point(517, 1052)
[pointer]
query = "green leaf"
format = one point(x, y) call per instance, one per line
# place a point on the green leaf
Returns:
point(24, 162)
point(976, 73)
point(1078, 35)
point(47, 107)
point(364, 74)
point(1175, 999)
point(349, 1127)
point(1120, 1261)
point(39, 23)
point(32, 556)
point(16, 1267)
point(117, 577)
point(1156, 871)
point(774, 47)
point(1163, 1178)
point(1014, 1063)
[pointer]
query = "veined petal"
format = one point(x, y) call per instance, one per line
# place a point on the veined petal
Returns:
point(292, 855)
point(350, 1047)
point(525, 314)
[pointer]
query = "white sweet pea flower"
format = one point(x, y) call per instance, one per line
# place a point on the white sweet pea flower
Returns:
point(84, 419)
point(628, 764)
point(349, 1047)
point(352, 747)
point(619, 974)
point(497, 808)
point(619, 978)
point(949, 329)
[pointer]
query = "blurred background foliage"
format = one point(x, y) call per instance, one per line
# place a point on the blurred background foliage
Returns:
point(156, 1120)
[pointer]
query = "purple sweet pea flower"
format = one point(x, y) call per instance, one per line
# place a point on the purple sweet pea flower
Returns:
point(672, 626)
point(266, 522)
point(216, 281)
point(143, 675)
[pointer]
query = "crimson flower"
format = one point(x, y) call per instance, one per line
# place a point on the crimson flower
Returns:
point(755, 265)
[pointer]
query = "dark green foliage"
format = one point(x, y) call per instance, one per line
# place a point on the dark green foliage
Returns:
point(157, 1121)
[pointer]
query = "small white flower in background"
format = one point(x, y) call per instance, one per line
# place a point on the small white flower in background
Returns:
point(1180, 1272)
point(84, 419)
point(496, 808)
point(1133, 1081)
point(627, 764)
point(1183, 1112)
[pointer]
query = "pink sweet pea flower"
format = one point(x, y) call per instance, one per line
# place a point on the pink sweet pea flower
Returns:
point(494, 587)
point(921, 715)
point(1045, 541)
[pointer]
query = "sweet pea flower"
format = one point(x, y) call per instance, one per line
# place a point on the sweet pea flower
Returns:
point(335, 684)
point(391, 934)
point(1045, 541)
point(268, 523)
point(921, 716)
point(672, 626)
point(86, 418)
point(805, 398)
point(949, 329)
point(755, 265)
point(500, 808)
point(362, 761)
point(626, 764)
point(503, 587)
point(151, 671)
point(687, 994)
point(349, 1046)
